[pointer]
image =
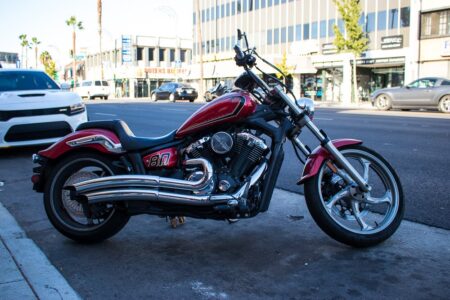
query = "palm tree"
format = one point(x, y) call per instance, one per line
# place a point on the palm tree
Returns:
point(35, 42)
point(72, 22)
point(25, 44)
point(99, 14)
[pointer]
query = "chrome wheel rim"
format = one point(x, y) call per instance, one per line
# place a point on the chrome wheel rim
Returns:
point(445, 106)
point(366, 213)
point(383, 102)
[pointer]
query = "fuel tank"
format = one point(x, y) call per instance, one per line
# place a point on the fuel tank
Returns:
point(231, 107)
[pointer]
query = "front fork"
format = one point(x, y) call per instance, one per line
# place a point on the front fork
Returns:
point(353, 175)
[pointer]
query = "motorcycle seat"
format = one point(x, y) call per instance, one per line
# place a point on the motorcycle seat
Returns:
point(127, 138)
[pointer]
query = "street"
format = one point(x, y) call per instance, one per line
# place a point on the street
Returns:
point(279, 254)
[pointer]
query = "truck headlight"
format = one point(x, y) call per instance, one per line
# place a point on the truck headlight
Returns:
point(77, 108)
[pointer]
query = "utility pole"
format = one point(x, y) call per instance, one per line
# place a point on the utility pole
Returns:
point(199, 47)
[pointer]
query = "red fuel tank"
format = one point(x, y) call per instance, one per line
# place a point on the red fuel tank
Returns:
point(230, 107)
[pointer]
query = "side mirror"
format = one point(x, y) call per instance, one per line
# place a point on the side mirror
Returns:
point(65, 86)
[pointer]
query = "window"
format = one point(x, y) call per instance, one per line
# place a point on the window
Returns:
point(257, 4)
point(269, 3)
point(238, 6)
point(306, 31)
point(172, 55)
point(276, 2)
point(228, 43)
point(298, 32)
point(151, 54)
point(207, 14)
point(323, 29)
point(87, 83)
point(104, 83)
point(233, 8)
point(404, 16)
point(423, 83)
point(203, 15)
point(393, 18)
point(290, 34)
point(228, 11)
point(341, 25)
point(362, 19)
point(217, 12)
point(263, 3)
point(161, 54)
point(193, 18)
point(222, 10)
point(139, 53)
point(269, 37)
point(183, 55)
point(331, 27)
point(435, 24)
point(445, 82)
point(283, 35)
point(314, 30)
point(370, 24)
point(276, 36)
point(212, 13)
point(98, 83)
point(381, 20)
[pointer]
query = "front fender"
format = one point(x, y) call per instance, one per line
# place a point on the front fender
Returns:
point(320, 154)
point(101, 140)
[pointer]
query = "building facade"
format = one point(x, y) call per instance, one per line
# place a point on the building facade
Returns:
point(9, 60)
point(303, 31)
point(434, 44)
point(139, 64)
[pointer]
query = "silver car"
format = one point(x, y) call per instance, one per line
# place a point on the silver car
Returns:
point(429, 92)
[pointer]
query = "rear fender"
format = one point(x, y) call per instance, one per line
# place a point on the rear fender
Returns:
point(100, 140)
point(320, 154)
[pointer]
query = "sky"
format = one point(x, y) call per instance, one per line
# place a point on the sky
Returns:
point(45, 19)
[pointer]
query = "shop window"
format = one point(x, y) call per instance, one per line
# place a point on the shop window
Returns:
point(283, 35)
point(276, 36)
point(290, 34)
point(298, 32)
point(314, 30)
point(381, 20)
point(151, 54)
point(269, 37)
point(306, 31)
point(404, 16)
point(393, 18)
point(323, 28)
point(370, 24)
point(139, 52)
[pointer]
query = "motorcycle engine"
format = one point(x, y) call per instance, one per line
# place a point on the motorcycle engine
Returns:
point(233, 155)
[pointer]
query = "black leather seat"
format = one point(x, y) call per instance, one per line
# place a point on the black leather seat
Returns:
point(127, 139)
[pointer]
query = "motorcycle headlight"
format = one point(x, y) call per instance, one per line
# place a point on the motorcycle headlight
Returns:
point(77, 108)
point(307, 105)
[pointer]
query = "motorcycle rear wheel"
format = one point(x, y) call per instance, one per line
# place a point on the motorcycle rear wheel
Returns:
point(352, 218)
point(89, 223)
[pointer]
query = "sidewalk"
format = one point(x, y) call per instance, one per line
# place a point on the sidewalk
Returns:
point(26, 272)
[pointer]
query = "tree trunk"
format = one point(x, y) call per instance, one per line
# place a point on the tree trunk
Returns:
point(26, 57)
point(74, 63)
point(355, 81)
point(199, 46)
point(99, 14)
point(36, 56)
point(21, 62)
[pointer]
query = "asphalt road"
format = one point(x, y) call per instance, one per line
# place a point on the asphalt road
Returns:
point(417, 144)
point(280, 254)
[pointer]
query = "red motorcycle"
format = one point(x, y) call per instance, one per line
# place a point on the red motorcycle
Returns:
point(222, 163)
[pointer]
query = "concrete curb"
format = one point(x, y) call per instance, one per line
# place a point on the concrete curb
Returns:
point(42, 277)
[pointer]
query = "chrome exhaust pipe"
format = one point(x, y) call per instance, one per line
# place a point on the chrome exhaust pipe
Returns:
point(154, 195)
point(147, 181)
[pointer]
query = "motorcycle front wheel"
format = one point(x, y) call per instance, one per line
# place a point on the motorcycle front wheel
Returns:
point(354, 218)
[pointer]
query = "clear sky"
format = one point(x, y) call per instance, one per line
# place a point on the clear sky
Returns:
point(45, 19)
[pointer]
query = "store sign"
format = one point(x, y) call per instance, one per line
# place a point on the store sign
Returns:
point(329, 48)
point(156, 70)
point(445, 48)
point(371, 61)
point(126, 49)
point(392, 42)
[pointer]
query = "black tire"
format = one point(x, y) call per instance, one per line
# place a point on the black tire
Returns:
point(191, 100)
point(383, 102)
point(60, 216)
point(444, 104)
point(316, 205)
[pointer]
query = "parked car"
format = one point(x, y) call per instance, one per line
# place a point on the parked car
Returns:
point(35, 110)
point(216, 91)
point(429, 92)
point(174, 91)
point(93, 89)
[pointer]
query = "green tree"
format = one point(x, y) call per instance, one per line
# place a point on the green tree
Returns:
point(25, 45)
point(99, 17)
point(49, 64)
point(75, 24)
point(354, 40)
point(35, 42)
point(283, 66)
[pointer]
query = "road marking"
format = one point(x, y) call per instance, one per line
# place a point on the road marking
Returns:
point(173, 109)
point(406, 114)
point(104, 114)
point(323, 119)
